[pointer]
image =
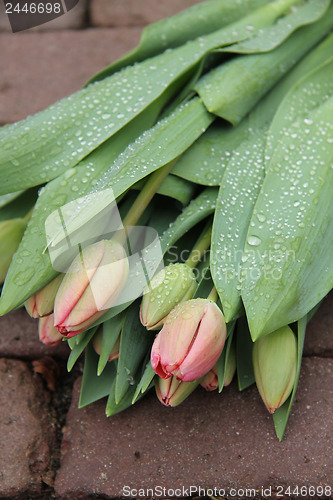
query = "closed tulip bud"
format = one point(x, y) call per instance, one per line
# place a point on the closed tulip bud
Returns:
point(41, 304)
point(11, 232)
point(274, 363)
point(190, 341)
point(97, 343)
point(210, 382)
point(172, 392)
point(92, 285)
point(171, 286)
point(48, 334)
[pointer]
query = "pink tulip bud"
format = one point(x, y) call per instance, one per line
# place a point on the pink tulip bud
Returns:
point(172, 392)
point(48, 334)
point(190, 342)
point(41, 304)
point(210, 382)
point(97, 343)
point(92, 285)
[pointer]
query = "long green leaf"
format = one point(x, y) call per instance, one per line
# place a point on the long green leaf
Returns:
point(244, 344)
point(239, 190)
point(112, 408)
point(7, 198)
point(134, 344)
point(79, 347)
point(199, 208)
point(19, 206)
point(288, 267)
point(222, 362)
point(145, 381)
point(205, 161)
point(232, 89)
point(173, 187)
point(197, 20)
point(33, 151)
point(93, 387)
point(245, 172)
point(111, 332)
point(272, 36)
point(307, 94)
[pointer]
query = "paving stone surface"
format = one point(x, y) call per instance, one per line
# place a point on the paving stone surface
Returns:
point(19, 339)
point(74, 19)
point(213, 441)
point(132, 12)
point(27, 432)
point(319, 333)
point(37, 69)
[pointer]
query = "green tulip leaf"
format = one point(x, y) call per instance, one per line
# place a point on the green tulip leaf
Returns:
point(222, 362)
point(145, 382)
point(239, 190)
point(111, 332)
point(232, 89)
point(7, 198)
point(272, 36)
point(79, 347)
point(173, 187)
point(197, 20)
point(288, 266)
point(94, 387)
point(134, 343)
point(244, 345)
point(45, 145)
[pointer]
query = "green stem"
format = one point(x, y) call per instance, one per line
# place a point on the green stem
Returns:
point(213, 295)
point(28, 216)
point(200, 247)
point(146, 194)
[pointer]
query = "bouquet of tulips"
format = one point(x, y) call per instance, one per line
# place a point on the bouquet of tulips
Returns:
point(173, 219)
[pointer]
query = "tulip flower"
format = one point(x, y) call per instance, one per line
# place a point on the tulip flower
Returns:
point(274, 363)
point(97, 342)
point(41, 304)
point(172, 392)
point(171, 286)
point(210, 381)
point(48, 334)
point(92, 285)
point(190, 341)
point(11, 232)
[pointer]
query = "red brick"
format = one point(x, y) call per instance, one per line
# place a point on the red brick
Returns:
point(319, 332)
point(37, 69)
point(210, 440)
point(74, 19)
point(19, 338)
point(134, 13)
point(27, 432)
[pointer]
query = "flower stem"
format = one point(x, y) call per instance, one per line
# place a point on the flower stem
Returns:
point(146, 194)
point(28, 216)
point(213, 295)
point(199, 249)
